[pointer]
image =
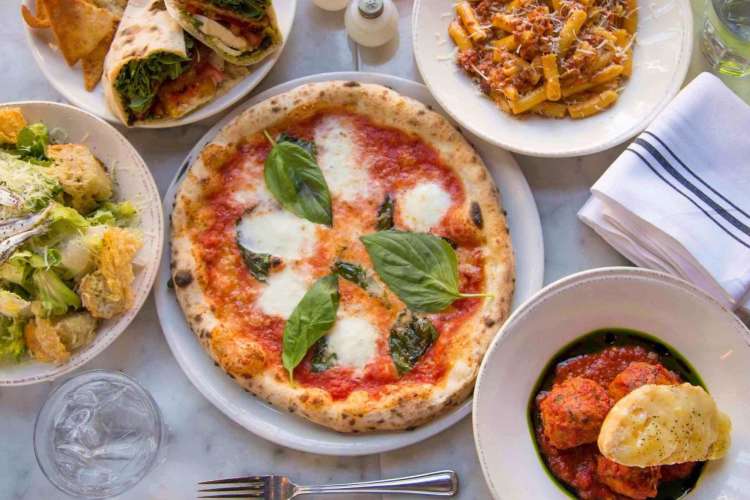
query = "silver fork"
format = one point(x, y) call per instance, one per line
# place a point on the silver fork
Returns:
point(274, 487)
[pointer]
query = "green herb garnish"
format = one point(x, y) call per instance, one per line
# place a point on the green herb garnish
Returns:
point(361, 277)
point(421, 268)
point(322, 358)
point(384, 220)
point(259, 264)
point(250, 8)
point(411, 336)
point(296, 181)
point(310, 320)
point(139, 80)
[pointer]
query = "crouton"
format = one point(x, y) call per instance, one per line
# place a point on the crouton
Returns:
point(11, 123)
point(107, 291)
point(82, 176)
point(44, 343)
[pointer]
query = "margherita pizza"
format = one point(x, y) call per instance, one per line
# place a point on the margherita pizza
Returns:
point(340, 252)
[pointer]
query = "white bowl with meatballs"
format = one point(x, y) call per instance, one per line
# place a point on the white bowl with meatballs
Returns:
point(616, 383)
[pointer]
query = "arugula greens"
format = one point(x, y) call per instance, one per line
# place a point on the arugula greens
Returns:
point(310, 320)
point(322, 358)
point(384, 220)
point(421, 268)
point(411, 336)
point(296, 181)
point(139, 80)
point(250, 8)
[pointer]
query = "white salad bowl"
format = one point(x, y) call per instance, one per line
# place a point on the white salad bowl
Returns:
point(132, 181)
point(661, 57)
point(710, 337)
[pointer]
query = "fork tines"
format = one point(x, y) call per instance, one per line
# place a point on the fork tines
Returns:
point(236, 487)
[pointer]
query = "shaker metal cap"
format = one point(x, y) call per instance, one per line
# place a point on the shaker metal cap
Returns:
point(371, 9)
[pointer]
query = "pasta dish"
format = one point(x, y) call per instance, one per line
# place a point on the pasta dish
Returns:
point(553, 58)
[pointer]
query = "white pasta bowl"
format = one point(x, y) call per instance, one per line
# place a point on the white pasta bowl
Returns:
point(709, 336)
point(132, 181)
point(661, 58)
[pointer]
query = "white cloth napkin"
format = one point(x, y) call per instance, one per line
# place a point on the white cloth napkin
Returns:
point(678, 198)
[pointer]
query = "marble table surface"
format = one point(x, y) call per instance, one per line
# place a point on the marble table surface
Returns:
point(202, 442)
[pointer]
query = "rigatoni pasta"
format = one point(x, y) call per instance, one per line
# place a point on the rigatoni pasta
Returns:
point(552, 58)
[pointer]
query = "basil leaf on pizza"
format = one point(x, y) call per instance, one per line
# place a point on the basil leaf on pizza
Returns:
point(361, 277)
point(409, 340)
point(310, 320)
point(384, 220)
point(421, 268)
point(259, 264)
point(296, 181)
point(322, 357)
point(308, 146)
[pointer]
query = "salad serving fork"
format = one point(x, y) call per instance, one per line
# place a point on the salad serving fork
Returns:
point(277, 487)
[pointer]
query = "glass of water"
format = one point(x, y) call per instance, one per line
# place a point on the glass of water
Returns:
point(726, 36)
point(98, 434)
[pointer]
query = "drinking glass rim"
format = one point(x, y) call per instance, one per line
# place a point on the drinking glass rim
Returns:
point(109, 373)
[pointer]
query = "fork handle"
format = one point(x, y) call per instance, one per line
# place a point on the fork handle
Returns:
point(441, 483)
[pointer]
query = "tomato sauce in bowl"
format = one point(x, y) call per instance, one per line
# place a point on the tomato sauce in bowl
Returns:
point(574, 393)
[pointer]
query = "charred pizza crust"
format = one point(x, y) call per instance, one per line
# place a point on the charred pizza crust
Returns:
point(398, 405)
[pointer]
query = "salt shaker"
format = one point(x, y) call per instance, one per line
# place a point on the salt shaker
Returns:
point(331, 4)
point(371, 23)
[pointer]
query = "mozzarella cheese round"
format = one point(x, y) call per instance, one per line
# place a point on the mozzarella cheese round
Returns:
point(423, 206)
point(278, 233)
point(354, 341)
point(283, 292)
point(339, 159)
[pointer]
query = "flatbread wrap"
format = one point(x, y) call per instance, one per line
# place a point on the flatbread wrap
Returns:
point(241, 31)
point(154, 71)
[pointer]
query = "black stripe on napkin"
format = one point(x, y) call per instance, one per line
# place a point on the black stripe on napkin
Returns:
point(656, 172)
point(695, 190)
point(697, 177)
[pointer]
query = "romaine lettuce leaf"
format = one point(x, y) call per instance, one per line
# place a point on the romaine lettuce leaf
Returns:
point(12, 343)
point(29, 182)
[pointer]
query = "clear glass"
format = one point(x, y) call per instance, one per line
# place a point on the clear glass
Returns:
point(726, 36)
point(98, 434)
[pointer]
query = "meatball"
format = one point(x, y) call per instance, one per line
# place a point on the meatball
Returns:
point(677, 471)
point(633, 482)
point(573, 412)
point(638, 374)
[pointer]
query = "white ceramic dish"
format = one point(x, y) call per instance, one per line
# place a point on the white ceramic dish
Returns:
point(69, 81)
point(661, 59)
point(133, 181)
point(292, 431)
point(709, 336)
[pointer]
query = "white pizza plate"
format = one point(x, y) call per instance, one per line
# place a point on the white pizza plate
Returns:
point(712, 339)
point(662, 53)
point(290, 430)
point(69, 81)
point(133, 181)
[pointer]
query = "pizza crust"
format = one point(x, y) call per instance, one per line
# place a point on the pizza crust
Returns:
point(400, 406)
